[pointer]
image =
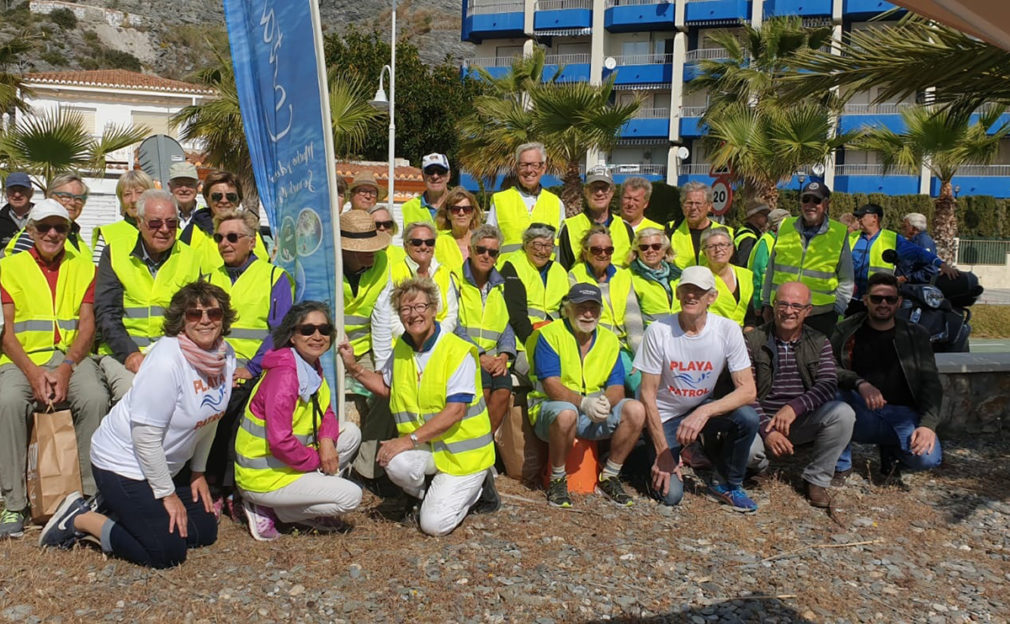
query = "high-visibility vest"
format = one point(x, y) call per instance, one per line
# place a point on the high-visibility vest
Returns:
point(577, 226)
point(768, 240)
point(393, 254)
point(514, 219)
point(484, 320)
point(542, 300)
point(121, 230)
point(653, 299)
point(210, 258)
point(725, 304)
point(647, 223)
point(418, 396)
point(886, 239)
point(416, 212)
point(145, 297)
point(443, 279)
point(72, 251)
point(764, 246)
point(358, 308)
point(586, 375)
point(256, 469)
point(743, 234)
point(447, 253)
point(683, 245)
point(815, 265)
point(36, 315)
point(250, 298)
point(615, 296)
point(853, 237)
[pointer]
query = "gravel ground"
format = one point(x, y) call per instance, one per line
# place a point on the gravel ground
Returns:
point(934, 551)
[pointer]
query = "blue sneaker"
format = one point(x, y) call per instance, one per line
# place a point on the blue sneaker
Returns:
point(736, 498)
point(59, 532)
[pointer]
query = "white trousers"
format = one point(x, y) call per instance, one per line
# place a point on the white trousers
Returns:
point(449, 497)
point(314, 494)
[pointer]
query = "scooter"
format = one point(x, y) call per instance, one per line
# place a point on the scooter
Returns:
point(940, 307)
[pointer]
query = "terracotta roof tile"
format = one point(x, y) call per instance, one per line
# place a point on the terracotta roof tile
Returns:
point(115, 78)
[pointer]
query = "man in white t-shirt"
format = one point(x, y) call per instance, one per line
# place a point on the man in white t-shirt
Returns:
point(681, 359)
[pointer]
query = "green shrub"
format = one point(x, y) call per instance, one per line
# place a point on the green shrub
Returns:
point(64, 18)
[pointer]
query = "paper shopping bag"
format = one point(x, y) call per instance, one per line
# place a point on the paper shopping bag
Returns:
point(53, 467)
point(523, 454)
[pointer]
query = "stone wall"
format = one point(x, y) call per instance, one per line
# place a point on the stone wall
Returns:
point(84, 12)
point(976, 392)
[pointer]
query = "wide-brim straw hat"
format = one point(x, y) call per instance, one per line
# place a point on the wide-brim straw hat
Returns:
point(358, 233)
point(365, 178)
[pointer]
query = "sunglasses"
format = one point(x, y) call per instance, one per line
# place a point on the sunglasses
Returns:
point(77, 198)
point(385, 225)
point(878, 299)
point(602, 251)
point(308, 329)
point(232, 197)
point(810, 199)
point(362, 190)
point(480, 250)
point(439, 171)
point(417, 242)
point(652, 246)
point(195, 315)
point(44, 228)
point(157, 224)
point(231, 237)
point(461, 209)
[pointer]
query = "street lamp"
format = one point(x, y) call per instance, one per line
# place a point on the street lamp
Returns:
point(380, 102)
point(802, 177)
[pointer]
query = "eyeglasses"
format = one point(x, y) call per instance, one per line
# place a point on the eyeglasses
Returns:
point(44, 228)
point(810, 199)
point(362, 190)
point(878, 299)
point(718, 246)
point(157, 224)
point(70, 196)
point(18, 190)
point(602, 251)
point(417, 308)
point(231, 237)
point(418, 242)
point(232, 197)
point(531, 165)
point(480, 250)
point(182, 182)
point(435, 171)
point(461, 209)
point(652, 246)
point(385, 225)
point(308, 329)
point(541, 246)
point(195, 315)
point(795, 307)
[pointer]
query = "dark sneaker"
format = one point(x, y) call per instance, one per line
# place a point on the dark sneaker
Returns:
point(59, 532)
point(12, 524)
point(489, 501)
point(818, 496)
point(411, 511)
point(557, 493)
point(328, 524)
point(736, 498)
point(613, 490)
point(840, 477)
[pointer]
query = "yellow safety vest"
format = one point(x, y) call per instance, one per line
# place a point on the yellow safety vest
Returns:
point(417, 396)
point(725, 304)
point(743, 234)
point(36, 315)
point(585, 376)
point(653, 299)
point(121, 230)
point(514, 219)
point(145, 297)
point(886, 239)
point(815, 265)
point(577, 226)
point(416, 212)
point(766, 242)
point(615, 296)
point(853, 237)
point(210, 258)
point(447, 253)
point(647, 223)
point(683, 245)
point(484, 320)
point(358, 309)
point(542, 300)
point(250, 298)
point(443, 279)
point(256, 469)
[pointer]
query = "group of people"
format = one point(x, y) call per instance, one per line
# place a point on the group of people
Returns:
point(191, 373)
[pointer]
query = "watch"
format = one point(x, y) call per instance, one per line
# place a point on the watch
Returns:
point(72, 364)
point(413, 438)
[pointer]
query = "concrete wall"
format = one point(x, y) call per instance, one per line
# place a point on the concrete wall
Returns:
point(976, 392)
point(112, 17)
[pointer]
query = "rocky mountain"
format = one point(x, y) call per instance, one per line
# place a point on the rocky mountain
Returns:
point(173, 39)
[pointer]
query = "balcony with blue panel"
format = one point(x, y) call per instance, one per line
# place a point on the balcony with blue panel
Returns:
point(717, 11)
point(870, 178)
point(492, 19)
point(639, 17)
point(563, 14)
point(694, 172)
point(691, 69)
point(642, 69)
point(857, 116)
point(469, 182)
point(648, 123)
point(493, 66)
point(978, 180)
point(651, 172)
point(573, 67)
point(865, 8)
point(803, 8)
point(690, 121)
point(1003, 120)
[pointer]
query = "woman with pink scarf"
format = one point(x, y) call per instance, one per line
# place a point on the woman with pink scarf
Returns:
point(167, 418)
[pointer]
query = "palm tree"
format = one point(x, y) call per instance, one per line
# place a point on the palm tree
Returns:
point(942, 140)
point(12, 89)
point(350, 114)
point(56, 141)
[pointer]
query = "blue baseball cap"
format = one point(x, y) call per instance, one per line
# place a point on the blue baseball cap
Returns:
point(18, 178)
point(581, 292)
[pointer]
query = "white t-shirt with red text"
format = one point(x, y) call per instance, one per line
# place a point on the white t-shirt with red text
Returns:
point(689, 366)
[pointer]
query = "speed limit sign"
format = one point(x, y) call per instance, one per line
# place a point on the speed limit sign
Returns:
point(722, 197)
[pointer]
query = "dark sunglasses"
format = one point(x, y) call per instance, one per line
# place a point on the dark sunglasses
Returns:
point(810, 199)
point(61, 228)
point(157, 224)
point(194, 315)
point(417, 242)
point(602, 251)
point(480, 250)
point(231, 237)
point(652, 246)
point(232, 197)
point(309, 329)
point(436, 171)
point(878, 299)
point(461, 209)
point(385, 225)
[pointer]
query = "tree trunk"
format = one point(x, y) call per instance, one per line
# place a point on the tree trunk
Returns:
point(571, 192)
point(945, 222)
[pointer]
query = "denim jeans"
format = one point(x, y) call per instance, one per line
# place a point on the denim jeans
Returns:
point(739, 426)
point(891, 428)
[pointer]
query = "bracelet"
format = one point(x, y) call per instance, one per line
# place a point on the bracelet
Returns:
point(72, 364)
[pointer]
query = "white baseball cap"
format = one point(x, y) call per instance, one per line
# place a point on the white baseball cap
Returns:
point(46, 208)
point(435, 160)
point(698, 276)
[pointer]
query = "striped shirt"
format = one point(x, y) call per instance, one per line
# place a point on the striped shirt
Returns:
point(787, 385)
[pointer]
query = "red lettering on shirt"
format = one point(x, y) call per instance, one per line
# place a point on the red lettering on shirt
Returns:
point(207, 421)
point(199, 387)
point(701, 367)
point(688, 392)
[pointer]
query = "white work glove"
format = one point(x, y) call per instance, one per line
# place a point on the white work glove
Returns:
point(597, 408)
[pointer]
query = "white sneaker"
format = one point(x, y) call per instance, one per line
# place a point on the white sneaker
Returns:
point(262, 522)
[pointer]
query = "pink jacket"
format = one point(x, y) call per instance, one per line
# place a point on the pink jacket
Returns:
point(275, 402)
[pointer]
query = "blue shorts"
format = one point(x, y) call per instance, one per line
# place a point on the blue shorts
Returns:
point(584, 428)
